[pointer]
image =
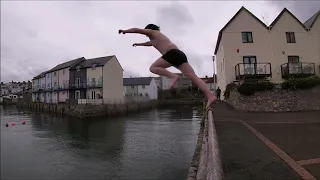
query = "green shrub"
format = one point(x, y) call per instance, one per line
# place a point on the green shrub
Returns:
point(229, 88)
point(249, 88)
point(301, 83)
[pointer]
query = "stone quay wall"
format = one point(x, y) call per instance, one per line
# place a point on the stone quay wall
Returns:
point(195, 163)
point(88, 110)
point(277, 100)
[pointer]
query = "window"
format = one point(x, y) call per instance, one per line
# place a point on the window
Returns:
point(249, 63)
point(249, 59)
point(290, 37)
point(143, 86)
point(93, 95)
point(247, 37)
point(63, 71)
point(93, 66)
point(48, 75)
point(77, 95)
point(93, 81)
point(78, 68)
point(293, 59)
point(54, 74)
point(132, 87)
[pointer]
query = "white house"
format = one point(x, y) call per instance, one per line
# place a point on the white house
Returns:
point(144, 87)
point(182, 83)
point(248, 49)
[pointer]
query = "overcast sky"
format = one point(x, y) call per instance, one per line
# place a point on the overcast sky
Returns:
point(37, 35)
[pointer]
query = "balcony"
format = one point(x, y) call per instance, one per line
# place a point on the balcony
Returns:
point(63, 87)
point(94, 85)
point(253, 71)
point(289, 70)
point(37, 90)
point(78, 86)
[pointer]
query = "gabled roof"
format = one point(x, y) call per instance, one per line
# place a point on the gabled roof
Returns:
point(224, 27)
point(100, 61)
point(66, 64)
point(40, 75)
point(279, 16)
point(137, 81)
point(309, 23)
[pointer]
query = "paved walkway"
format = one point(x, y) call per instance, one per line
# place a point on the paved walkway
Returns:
point(268, 145)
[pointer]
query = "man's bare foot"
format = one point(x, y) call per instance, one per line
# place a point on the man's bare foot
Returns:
point(211, 100)
point(174, 80)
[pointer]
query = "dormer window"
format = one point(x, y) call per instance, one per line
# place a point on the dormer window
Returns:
point(78, 68)
point(94, 66)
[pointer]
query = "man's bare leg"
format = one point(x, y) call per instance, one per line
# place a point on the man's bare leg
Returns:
point(159, 67)
point(188, 71)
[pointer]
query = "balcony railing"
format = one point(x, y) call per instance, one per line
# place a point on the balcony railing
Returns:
point(78, 86)
point(69, 86)
point(94, 85)
point(297, 70)
point(256, 70)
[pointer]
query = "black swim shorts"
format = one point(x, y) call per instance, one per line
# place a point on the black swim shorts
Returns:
point(175, 57)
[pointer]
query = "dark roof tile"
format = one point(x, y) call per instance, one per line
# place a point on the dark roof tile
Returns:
point(66, 64)
point(309, 23)
point(137, 81)
point(100, 61)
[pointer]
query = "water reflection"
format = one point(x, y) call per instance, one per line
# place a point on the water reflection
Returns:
point(158, 144)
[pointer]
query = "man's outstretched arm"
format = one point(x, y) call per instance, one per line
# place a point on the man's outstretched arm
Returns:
point(143, 44)
point(137, 30)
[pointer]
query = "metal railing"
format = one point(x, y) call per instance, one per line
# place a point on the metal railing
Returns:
point(297, 69)
point(94, 85)
point(210, 167)
point(252, 70)
point(78, 86)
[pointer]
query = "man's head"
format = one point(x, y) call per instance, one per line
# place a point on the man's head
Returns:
point(152, 27)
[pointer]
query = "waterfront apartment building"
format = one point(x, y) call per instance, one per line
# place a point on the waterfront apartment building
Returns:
point(97, 80)
point(249, 50)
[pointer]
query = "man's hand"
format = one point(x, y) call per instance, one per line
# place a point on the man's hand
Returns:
point(142, 44)
point(146, 32)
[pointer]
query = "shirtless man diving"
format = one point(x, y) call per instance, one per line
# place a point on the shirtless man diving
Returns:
point(171, 56)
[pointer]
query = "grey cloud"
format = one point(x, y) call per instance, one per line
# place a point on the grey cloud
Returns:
point(303, 10)
point(174, 17)
point(195, 60)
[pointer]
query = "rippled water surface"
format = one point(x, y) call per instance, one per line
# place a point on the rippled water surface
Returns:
point(158, 144)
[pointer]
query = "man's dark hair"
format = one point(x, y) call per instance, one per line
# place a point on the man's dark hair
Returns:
point(152, 27)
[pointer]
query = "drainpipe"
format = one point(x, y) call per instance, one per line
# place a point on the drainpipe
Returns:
point(308, 30)
point(272, 53)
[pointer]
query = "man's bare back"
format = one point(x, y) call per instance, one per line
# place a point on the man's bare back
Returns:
point(161, 42)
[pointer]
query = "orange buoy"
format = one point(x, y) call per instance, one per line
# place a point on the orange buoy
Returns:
point(23, 122)
point(13, 123)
